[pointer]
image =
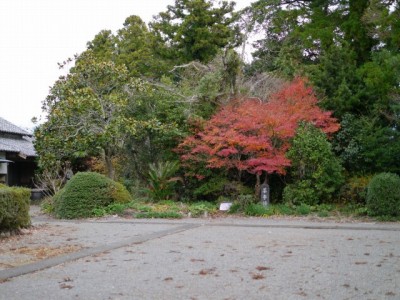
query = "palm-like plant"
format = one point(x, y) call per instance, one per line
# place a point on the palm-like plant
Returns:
point(162, 180)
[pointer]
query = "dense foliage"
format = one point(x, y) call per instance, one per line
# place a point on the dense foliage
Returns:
point(14, 208)
point(350, 52)
point(315, 171)
point(178, 87)
point(85, 192)
point(162, 180)
point(253, 136)
point(195, 30)
point(383, 195)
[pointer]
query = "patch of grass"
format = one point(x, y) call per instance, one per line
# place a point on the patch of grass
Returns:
point(323, 214)
point(388, 218)
point(172, 210)
point(352, 209)
point(158, 215)
point(256, 209)
point(200, 208)
point(235, 208)
point(139, 206)
point(165, 206)
point(47, 205)
point(303, 209)
point(112, 209)
point(282, 209)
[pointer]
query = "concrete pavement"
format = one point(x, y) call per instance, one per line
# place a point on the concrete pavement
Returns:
point(228, 258)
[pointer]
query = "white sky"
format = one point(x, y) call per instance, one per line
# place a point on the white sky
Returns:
point(36, 34)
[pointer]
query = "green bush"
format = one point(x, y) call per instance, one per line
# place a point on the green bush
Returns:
point(303, 209)
point(355, 189)
point(317, 173)
point(47, 205)
point(200, 208)
point(235, 208)
point(213, 186)
point(383, 195)
point(241, 203)
point(256, 209)
point(85, 192)
point(282, 209)
point(119, 193)
point(300, 192)
point(14, 208)
point(162, 180)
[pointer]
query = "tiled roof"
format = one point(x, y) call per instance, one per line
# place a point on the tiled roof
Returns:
point(21, 145)
point(8, 127)
point(15, 139)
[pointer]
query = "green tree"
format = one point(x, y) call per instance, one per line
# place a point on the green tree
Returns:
point(315, 170)
point(137, 49)
point(133, 46)
point(195, 29)
point(162, 111)
point(103, 46)
point(366, 146)
point(86, 114)
point(298, 32)
point(349, 50)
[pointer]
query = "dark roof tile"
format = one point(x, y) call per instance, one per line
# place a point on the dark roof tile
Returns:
point(8, 127)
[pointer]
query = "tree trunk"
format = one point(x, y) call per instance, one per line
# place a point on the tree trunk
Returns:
point(258, 185)
point(266, 178)
point(107, 158)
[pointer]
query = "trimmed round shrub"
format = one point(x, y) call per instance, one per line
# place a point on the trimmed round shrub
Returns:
point(85, 192)
point(383, 195)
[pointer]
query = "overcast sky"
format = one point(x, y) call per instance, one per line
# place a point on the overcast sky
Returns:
point(36, 34)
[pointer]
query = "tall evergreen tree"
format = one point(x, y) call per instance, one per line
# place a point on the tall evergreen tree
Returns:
point(195, 29)
point(350, 51)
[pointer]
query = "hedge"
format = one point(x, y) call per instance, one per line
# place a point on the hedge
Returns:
point(383, 195)
point(14, 208)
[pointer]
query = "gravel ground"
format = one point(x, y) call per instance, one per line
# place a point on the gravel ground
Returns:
point(229, 258)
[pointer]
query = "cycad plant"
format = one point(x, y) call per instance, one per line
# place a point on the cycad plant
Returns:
point(162, 180)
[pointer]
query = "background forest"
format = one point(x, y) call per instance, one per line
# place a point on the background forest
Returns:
point(172, 110)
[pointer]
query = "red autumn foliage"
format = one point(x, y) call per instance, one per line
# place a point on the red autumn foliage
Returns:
point(253, 136)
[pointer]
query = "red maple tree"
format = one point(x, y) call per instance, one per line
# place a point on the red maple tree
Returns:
point(254, 136)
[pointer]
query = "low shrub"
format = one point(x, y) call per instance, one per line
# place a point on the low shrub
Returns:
point(119, 193)
point(162, 180)
point(47, 205)
point(323, 214)
point(241, 202)
point(303, 209)
point(112, 209)
point(383, 195)
point(200, 208)
point(256, 210)
point(282, 209)
point(14, 208)
point(159, 215)
point(235, 208)
point(355, 189)
point(300, 192)
point(85, 192)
